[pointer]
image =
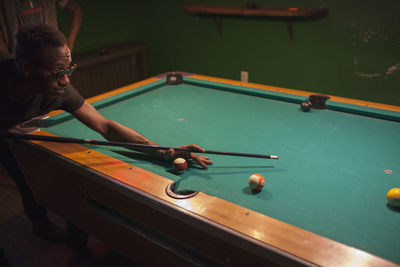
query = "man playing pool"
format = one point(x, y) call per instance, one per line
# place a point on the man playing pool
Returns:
point(37, 82)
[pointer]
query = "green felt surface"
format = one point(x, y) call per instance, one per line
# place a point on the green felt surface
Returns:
point(330, 178)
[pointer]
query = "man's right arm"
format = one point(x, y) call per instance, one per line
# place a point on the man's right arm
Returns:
point(114, 131)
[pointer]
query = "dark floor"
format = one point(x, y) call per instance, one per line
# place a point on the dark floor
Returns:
point(23, 249)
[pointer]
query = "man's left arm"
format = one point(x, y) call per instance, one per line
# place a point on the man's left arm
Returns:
point(114, 131)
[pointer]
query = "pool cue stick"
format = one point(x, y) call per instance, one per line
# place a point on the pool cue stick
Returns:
point(8, 135)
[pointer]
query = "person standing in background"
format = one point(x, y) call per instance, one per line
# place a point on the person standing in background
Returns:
point(15, 13)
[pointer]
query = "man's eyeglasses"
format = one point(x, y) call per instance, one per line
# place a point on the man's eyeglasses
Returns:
point(59, 74)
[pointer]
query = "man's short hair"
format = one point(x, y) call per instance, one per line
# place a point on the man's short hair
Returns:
point(31, 39)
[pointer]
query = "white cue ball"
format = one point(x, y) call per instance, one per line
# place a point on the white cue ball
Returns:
point(180, 165)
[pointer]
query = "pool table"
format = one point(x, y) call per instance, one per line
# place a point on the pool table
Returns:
point(324, 201)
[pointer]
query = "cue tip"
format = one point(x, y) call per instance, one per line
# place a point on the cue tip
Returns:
point(274, 157)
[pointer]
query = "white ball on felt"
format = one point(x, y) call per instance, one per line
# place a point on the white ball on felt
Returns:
point(180, 165)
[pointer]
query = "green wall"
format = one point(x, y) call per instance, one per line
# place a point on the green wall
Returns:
point(354, 51)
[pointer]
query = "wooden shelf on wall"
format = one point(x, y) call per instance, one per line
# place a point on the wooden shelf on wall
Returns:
point(286, 13)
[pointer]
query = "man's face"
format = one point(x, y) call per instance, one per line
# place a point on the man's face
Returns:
point(44, 79)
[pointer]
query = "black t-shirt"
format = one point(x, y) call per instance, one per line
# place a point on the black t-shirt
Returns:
point(13, 113)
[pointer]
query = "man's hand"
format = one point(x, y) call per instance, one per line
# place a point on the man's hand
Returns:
point(171, 154)
point(30, 126)
point(23, 130)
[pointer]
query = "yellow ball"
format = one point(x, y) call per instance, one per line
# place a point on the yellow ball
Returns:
point(393, 197)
